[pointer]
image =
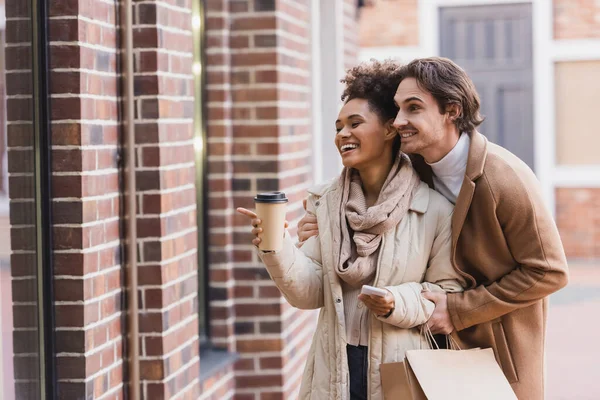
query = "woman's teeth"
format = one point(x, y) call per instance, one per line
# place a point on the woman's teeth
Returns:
point(347, 147)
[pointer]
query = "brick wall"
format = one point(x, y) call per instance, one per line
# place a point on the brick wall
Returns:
point(389, 23)
point(86, 199)
point(259, 139)
point(221, 256)
point(20, 141)
point(579, 19)
point(258, 56)
point(166, 224)
point(85, 187)
point(578, 219)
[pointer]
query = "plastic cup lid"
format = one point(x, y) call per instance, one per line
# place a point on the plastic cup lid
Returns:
point(272, 197)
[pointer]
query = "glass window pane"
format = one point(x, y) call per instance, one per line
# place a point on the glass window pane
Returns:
point(19, 354)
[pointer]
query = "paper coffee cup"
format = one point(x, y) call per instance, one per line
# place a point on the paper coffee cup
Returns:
point(270, 208)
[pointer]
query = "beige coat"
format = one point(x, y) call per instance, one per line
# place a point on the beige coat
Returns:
point(417, 250)
point(506, 245)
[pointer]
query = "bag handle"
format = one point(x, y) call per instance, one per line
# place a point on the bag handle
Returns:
point(451, 343)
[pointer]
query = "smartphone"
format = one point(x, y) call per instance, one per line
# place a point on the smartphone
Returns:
point(373, 291)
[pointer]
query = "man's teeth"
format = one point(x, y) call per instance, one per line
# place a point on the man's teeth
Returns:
point(408, 134)
point(349, 147)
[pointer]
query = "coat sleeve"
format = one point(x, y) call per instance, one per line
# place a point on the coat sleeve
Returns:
point(297, 272)
point(532, 239)
point(411, 309)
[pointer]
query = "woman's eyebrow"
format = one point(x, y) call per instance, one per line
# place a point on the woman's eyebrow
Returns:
point(349, 117)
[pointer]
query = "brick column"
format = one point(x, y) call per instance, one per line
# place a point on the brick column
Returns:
point(220, 180)
point(165, 174)
point(85, 185)
point(220, 146)
point(86, 202)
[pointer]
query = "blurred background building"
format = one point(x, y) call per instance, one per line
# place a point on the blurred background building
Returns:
point(233, 97)
point(536, 65)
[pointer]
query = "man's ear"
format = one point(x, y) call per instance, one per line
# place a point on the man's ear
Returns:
point(454, 111)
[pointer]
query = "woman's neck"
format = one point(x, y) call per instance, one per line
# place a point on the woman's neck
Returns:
point(373, 177)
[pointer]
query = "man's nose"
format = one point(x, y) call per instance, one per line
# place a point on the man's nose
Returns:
point(400, 121)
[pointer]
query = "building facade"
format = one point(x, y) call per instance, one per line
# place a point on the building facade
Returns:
point(230, 98)
point(544, 108)
point(224, 107)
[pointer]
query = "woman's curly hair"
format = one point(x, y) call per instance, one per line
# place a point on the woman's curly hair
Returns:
point(376, 82)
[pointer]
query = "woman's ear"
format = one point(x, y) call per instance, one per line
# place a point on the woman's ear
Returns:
point(390, 131)
point(454, 111)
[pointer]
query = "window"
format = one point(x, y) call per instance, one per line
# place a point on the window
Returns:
point(577, 99)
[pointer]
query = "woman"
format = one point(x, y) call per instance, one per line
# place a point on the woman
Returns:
point(379, 225)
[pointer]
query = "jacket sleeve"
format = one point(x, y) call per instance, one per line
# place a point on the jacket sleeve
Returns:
point(533, 240)
point(297, 272)
point(411, 308)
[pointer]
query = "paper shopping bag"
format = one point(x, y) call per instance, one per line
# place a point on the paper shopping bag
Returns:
point(397, 383)
point(446, 374)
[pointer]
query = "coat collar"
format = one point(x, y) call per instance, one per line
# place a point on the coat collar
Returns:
point(475, 165)
point(477, 155)
point(420, 200)
point(475, 161)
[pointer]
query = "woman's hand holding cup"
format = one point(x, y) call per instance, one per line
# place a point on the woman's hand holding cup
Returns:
point(255, 222)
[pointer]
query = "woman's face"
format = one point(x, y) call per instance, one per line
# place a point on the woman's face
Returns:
point(362, 139)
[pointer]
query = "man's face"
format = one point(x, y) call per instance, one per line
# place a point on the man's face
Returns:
point(423, 129)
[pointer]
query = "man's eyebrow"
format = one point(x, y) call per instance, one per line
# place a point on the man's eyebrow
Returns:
point(413, 98)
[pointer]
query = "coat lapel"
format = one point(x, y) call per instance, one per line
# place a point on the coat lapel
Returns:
point(463, 202)
point(475, 164)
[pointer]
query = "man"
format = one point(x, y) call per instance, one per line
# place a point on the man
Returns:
point(504, 240)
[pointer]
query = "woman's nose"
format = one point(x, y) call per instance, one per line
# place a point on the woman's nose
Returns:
point(344, 132)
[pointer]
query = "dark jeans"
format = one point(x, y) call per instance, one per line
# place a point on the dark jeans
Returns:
point(358, 365)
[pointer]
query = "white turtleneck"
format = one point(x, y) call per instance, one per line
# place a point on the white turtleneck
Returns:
point(448, 173)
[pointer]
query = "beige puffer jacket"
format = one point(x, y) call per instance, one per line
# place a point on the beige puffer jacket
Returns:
point(416, 251)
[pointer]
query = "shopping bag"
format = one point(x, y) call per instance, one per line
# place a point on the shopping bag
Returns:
point(453, 374)
point(397, 383)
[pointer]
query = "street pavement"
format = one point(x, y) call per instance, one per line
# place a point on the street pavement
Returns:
point(573, 342)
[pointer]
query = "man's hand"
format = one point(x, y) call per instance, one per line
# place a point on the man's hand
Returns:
point(307, 226)
point(440, 322)
point(380, 306)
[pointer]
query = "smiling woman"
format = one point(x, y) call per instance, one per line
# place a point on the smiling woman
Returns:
point(377, 205)
point(363, 139)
